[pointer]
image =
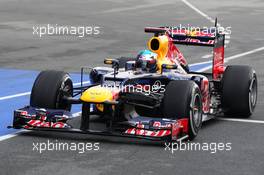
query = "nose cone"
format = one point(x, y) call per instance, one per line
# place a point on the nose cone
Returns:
point(97, 94)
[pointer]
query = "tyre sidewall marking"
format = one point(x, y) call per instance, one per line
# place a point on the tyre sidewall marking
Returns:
point(194, 93)
point(253, 81)
point(65, 78)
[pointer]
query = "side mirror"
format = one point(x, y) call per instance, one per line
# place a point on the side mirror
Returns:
point(168, 66)
point(114, 63)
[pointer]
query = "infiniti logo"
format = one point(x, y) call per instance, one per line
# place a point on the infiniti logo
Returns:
point(156, 86)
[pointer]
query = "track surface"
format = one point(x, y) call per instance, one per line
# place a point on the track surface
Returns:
point(122, 33)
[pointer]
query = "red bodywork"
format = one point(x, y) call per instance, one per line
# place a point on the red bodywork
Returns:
point(218, 60)
point(175, 130)
point(196, 38)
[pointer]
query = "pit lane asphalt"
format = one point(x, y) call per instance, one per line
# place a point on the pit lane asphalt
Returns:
point(122, 34)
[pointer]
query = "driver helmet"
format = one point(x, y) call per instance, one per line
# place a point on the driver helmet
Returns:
point(147, 61)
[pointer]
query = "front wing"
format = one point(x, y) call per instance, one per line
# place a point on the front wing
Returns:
point(140, 127)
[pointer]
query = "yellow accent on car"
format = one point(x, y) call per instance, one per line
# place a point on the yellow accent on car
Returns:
point(169, 66)
point(97, 94)
point(100, 107)
point(108, 61)
point(160, 46)
point(193, 33)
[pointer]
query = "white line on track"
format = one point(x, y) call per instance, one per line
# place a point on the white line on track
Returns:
point(28, 93)
point(8, 136)
point(14, 96)
point(244, 54)
point(207, 56)
point(199, 11)
point(137, 7)
point(200, 63)
point(241, 120)
point(227, 36)
point(234, 57)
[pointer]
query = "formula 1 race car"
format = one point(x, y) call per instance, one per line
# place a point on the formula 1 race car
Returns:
point(153, 96)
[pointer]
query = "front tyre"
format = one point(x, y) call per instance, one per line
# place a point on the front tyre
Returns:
point(183, 99)
point(49, 89)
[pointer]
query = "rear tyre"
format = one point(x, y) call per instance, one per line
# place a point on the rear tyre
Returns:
point(183, 99)
point(49, 88)
point(239, 91)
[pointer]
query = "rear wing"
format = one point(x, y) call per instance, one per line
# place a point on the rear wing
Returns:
point(197, 38)
point(185, 37)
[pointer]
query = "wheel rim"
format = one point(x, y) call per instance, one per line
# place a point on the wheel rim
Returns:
point(252, 94)
point(65, 91)
point(196, 110)
point(195, 113)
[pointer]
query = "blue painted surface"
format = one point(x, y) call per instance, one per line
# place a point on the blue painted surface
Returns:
point(199, 66)
point(15, 81)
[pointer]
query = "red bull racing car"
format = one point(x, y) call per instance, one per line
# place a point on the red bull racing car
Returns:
point(153, 96)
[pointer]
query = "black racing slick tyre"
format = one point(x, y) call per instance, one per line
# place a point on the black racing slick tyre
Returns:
point(239, 91)
point(49, 89)
point(182, 99)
